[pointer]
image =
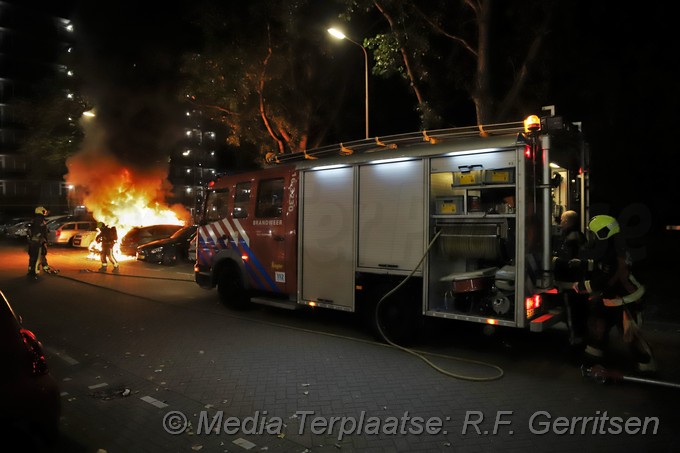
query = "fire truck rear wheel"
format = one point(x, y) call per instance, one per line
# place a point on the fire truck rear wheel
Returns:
point(230, 287)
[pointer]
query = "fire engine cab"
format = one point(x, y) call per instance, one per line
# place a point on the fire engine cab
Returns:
point(461, 223)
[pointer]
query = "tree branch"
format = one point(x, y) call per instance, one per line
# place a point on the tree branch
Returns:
point(519, 82)
point(440, 30)
point(263, 113)
point(404, 54)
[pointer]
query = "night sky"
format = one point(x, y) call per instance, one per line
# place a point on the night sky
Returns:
point(615, 71)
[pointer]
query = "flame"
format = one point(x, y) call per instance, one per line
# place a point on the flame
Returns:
point(117, 195)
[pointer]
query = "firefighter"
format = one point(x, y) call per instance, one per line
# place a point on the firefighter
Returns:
point(566, 267)
point(615, 296)
point(107, 237)
point(37, 243)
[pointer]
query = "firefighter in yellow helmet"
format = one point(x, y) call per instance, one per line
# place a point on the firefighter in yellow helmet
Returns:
point(615, 296)
point(107, 237)
point(37, 243)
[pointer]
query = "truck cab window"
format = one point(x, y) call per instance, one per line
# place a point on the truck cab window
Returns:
point(216, 205)
point(270, 198)
point(241, 200)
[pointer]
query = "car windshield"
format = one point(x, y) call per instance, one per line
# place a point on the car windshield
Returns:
point(183, 232)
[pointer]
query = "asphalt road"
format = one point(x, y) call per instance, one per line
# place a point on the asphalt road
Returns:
point(141, 354)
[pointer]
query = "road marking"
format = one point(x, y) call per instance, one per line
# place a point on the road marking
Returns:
point(153, 401)
point(241, 442)
point(96, 386)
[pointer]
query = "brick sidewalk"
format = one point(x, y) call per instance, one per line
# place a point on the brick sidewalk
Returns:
point(194, 355)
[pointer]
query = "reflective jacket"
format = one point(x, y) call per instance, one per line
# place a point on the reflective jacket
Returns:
point(609, 277)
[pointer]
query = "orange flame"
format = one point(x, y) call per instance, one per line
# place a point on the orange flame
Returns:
point(118, 196)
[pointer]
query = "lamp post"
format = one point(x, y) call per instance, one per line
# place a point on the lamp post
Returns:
point(340, 35)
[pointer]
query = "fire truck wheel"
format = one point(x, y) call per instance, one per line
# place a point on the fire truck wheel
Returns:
point(230, 287)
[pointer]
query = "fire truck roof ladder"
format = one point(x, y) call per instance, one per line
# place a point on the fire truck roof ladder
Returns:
point(394, 141)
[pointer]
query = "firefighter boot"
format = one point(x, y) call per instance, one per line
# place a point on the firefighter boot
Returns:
point(592, 356)
point(102, 269)
point(648, 366)
point(116, 269)
point(643, 356)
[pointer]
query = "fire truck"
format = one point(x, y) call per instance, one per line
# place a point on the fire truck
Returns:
point(454, 223)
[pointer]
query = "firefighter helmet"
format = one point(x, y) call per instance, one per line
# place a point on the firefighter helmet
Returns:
point(603, 226)
point(40, 210)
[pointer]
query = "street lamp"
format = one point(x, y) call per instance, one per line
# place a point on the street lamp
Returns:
point(340, 35)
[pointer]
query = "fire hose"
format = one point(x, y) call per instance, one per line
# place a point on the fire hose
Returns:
point(421, 355)
point(601, 375)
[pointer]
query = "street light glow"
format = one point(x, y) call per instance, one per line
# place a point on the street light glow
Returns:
point(336, 33)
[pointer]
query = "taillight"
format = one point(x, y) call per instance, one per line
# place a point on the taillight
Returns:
point(532, 304)
point(57, 233)
point(38, 362)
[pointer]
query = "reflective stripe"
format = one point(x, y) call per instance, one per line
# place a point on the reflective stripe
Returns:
point(242, 232)
point(589, 288)
point(635, 295)
point(594, 351)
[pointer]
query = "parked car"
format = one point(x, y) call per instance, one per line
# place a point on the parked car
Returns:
point(56, 219)
point(7, 223)
point(142, 235)
point(65, 232)
point(30, 396)
point(19, 230)
point(170, 250)
point(84, 239)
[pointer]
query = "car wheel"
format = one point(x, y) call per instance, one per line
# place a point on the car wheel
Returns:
point(169, 259)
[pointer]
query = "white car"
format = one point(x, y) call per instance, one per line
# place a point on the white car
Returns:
point(66, 231)
point(84, 239)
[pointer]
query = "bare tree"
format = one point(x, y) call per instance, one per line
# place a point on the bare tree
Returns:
point(473, 28)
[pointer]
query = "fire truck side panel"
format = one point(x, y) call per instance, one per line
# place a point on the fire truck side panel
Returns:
point(391, 216)
point(327, 239)
point(475, 266)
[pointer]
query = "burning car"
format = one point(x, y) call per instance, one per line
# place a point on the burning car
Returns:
point(142, 235)
point(170, 250)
